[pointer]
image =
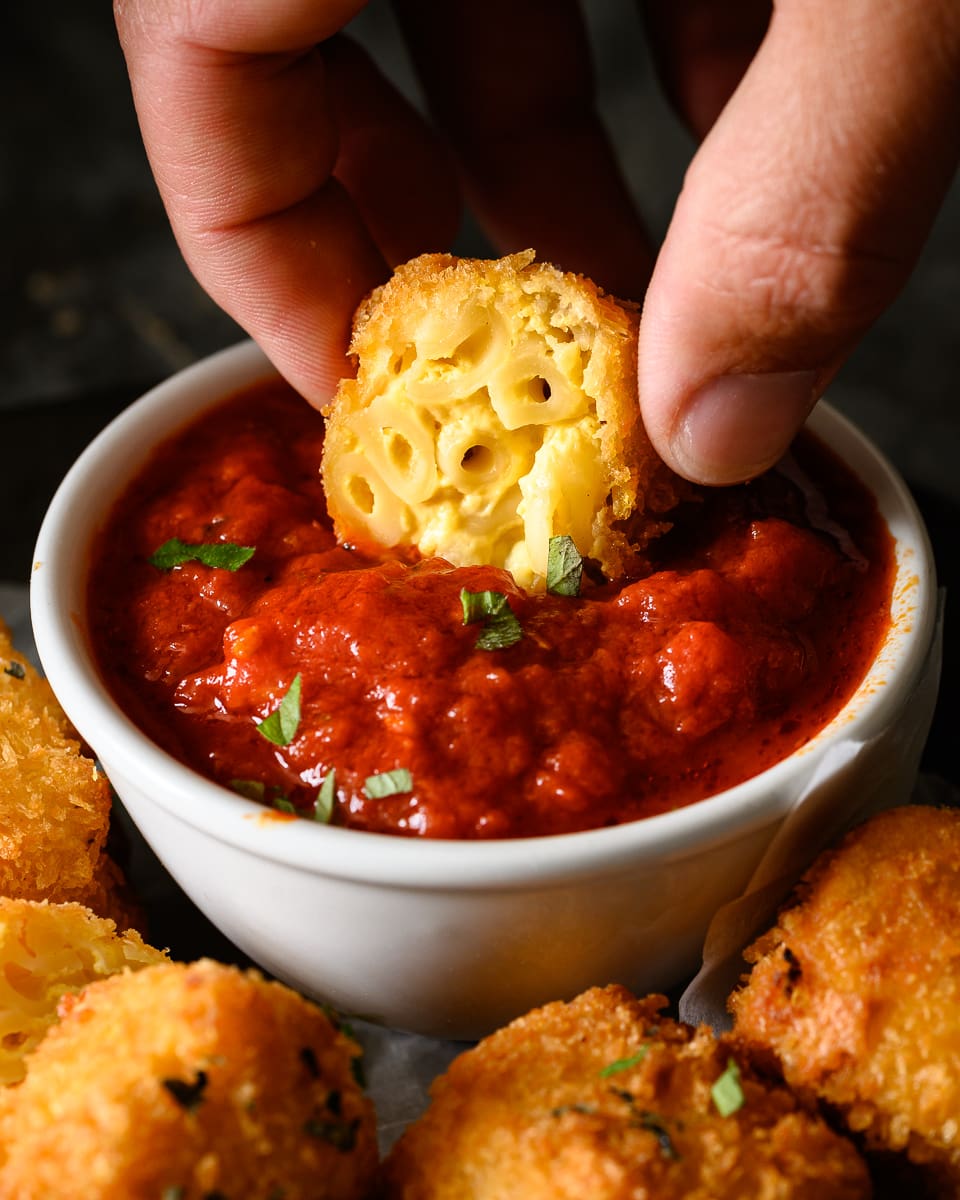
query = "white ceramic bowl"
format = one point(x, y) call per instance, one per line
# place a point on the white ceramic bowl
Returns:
point(454, 938)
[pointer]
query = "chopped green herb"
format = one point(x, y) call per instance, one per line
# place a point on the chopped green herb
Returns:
point(726, 1092)
point(17, 670)
point(340, 1134)
point(388, 783)
point(250, 789)
point(326, 797)
point(280, 727)
point(624, 1064)
point(282, 804)
point(655, 1125)
point(564, 566)
point(226, 555)
point(309, 1059)
point(176, 1191)
point(501, 629)
point(561, 1109)
point(187, 1095)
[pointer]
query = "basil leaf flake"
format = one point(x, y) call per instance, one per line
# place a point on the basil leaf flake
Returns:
point(250, 789)
point(326, 797)
point(15, 669)
point(624, 1064)
point(187, 1095)
point(388, 783)
point(501, 629)
point(226, 555)
point(280, 727)
point(726, 1091)
point(564, 566)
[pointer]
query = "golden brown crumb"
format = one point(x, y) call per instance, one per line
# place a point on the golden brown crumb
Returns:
point(188, 1081)
point(606, 1098)
point(54, 802)
point(856, 991)
point(48, 951)
point(495, 406)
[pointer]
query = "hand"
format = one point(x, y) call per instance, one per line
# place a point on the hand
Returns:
point(294, 174)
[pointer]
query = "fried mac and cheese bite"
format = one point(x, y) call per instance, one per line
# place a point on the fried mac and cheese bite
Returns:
point(54, 801)
point(495, 406)
point(189, 1081)
point(606, 1098)
point(855, 993)
point(48, 951)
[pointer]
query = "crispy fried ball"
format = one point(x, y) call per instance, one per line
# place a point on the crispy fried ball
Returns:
point(54, 803)
point(190, 1081)
point(606, 1098)
point(46, 952)
point(495, 406)
point(855, 993)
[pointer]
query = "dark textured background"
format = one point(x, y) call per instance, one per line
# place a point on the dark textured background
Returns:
point(97, 305)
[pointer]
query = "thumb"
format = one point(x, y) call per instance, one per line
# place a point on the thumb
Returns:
point(800, 219)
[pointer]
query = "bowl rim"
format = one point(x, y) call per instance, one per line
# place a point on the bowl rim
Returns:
point(57, 599)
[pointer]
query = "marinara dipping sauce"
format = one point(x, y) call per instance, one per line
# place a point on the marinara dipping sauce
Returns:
point(351, 690)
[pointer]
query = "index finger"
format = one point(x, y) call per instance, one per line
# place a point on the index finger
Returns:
point(512, 85)
point(232, 101)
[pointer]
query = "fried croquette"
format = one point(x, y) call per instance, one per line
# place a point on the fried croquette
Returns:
point(188, 1081)
point(855, 993)
point(46, 952)
point(606, 1098)
point(54, 802)
point(495, 406)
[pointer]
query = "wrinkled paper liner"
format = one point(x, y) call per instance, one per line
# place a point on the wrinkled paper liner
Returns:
point(885, 773)
point(400, 1067)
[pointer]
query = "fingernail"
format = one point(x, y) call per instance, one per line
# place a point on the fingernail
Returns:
point(737, 426)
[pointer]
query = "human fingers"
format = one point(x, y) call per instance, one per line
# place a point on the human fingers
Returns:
point(801, 217)
point(234, 101)
point(511, 85)
point(701, 50)
point(394, 166)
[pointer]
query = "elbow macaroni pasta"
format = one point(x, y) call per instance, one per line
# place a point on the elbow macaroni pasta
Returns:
point(494, 407)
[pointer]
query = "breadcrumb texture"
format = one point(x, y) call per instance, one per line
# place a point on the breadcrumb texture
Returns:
point(54, 802)
point(495, 406)
point(188, 1081)
point(48, 951)
point(606, 1098)
point(855, 993)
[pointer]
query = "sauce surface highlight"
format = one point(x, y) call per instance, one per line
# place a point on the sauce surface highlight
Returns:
point(761, 613)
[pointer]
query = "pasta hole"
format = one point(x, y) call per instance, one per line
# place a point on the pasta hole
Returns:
point(399, 450)
point(361, 495)
point(539, 390)
point(471, 349)
point(477, 460)
point(401, 362)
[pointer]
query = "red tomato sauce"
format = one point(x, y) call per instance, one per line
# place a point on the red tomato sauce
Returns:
point(761, 612)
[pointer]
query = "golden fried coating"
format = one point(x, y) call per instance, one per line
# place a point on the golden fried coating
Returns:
point(856, 991)
point(605, 1098)
point(54, 803)
point(188, 1081)
point(495, 406)
point(46, 952)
